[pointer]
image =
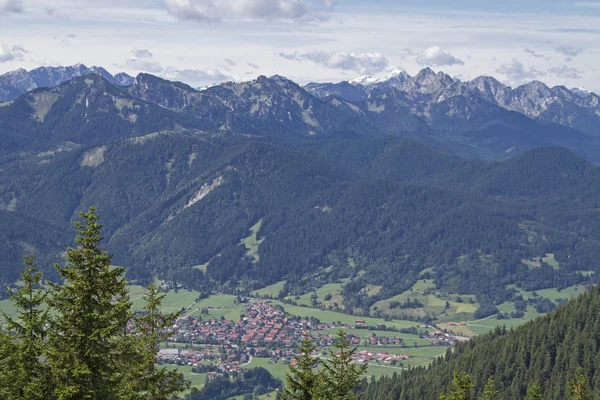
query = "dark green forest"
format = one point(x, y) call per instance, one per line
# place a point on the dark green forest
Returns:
point(394, 206)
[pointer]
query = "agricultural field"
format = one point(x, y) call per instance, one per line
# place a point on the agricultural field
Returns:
point(434, 303)
point(552, 294)
point(197, 380)
point(271, 290)
point(333, 316)
point(328, 295)
point(482, 326)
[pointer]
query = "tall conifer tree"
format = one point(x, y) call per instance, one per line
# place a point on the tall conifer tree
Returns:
point(29, 329)
point(340, 375)
point(301, 380)
point(462, 384)
point(534, 392)
point(578, 387)
point(92, 312)
point(153, 327)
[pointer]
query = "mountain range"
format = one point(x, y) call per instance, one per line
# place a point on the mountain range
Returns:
point(574, 108)
point(481, 118)
point(15, 83)
point(374, 190)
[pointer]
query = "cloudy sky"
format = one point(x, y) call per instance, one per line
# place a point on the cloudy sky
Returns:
point(206, 41)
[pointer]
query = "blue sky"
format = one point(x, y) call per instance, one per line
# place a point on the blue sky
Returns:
point(207, 41)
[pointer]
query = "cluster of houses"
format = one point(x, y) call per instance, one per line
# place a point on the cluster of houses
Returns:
point(382, 357)
point(440, 338)
point(266, 331)
point(261, 325)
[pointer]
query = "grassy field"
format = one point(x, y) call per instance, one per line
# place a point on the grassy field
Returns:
point(433, 303)
point(252, 242)
point(8, 307)
point(271, 290)
point(334, 289)
point(552, 294)
point(333, 316)
point(217, 306)
point(197, 380)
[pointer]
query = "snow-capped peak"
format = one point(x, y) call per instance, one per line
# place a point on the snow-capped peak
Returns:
point(394, 75)
point(581, 92)
point(363, 80)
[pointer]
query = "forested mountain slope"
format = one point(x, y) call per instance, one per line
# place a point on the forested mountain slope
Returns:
point(375, 211)
point(547, 350)
point(181, 177)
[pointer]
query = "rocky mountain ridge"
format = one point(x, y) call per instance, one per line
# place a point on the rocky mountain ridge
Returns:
point(574, 108)
point(16, 83)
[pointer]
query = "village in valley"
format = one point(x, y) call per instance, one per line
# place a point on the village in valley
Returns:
point(265, 331)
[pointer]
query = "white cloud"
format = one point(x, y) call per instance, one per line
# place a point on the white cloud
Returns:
point(11, 6)
point(142, 64)
point(436, 57)
point(534, 54)
point(196, 77)
point(141, 53)
point(53, 12)
point(8, 53)
point(218, 10)
point(253, 66)
point(141, 60)
point(364, 63)
point(516, 72)
point(565, 72)
point(569, 51)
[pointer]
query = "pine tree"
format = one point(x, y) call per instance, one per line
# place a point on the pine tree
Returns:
point(92, 312)
point(534, 392)
point(578, 388)
point(490, 392)
point(340, 375)
point(10, 384)
point(153, 327)
point(301, 381)
point(462, 384)
point(29, 331)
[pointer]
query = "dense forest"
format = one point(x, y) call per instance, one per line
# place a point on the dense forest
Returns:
point(393, 206)
point(546, 352)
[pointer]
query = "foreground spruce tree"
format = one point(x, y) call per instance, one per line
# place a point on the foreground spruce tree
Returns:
point(578, 388)
point(153, 327)
point(490, 392)
point(301, 380)
point(92, 310)
point(335, 380)
point(10, 386)
point(462, 384)
point(340, 374)
point(534, 392)
point(29, 374)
